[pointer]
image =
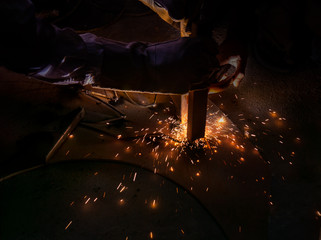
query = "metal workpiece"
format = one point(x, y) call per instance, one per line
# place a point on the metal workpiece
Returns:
point(80, 115)
point(196, 118)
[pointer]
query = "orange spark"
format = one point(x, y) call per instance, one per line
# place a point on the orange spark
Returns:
point(68, 225)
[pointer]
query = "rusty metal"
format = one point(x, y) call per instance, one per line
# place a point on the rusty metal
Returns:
point(196, 119)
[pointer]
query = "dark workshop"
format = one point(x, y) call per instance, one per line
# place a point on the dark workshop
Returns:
point(160, 119)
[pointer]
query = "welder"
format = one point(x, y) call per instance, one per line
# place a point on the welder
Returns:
point(31, 46)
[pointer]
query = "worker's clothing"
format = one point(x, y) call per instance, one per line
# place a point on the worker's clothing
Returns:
point(34, 47)
point(171, 67)
point(183, 14)
point(172, 12)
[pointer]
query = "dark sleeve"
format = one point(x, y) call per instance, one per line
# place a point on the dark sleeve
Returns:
point(28, 43)
point(64, 56)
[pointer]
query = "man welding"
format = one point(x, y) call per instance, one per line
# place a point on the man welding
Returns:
point(31, 46)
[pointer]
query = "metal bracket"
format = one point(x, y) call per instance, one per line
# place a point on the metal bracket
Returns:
point(65, 135)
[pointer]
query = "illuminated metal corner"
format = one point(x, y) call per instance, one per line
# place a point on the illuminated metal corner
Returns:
point(67, 132)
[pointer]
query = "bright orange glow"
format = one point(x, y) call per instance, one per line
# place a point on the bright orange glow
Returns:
point(273, 114)
point(221, 120)
point(128, 149)
point(154, 205)
point(68, 225)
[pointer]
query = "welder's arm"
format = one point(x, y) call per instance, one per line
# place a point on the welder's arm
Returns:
point(32, 46)
point(28, 44)
point(171, 67)
point(175, 66)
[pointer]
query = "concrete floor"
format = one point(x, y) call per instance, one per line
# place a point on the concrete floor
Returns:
point(288, 141)
point(233, 192)
point(291, 145)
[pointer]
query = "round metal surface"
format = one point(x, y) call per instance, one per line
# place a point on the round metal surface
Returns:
point(100, 200)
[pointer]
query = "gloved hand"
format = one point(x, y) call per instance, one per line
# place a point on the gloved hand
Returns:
point(233, 52)
point(232, 58)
